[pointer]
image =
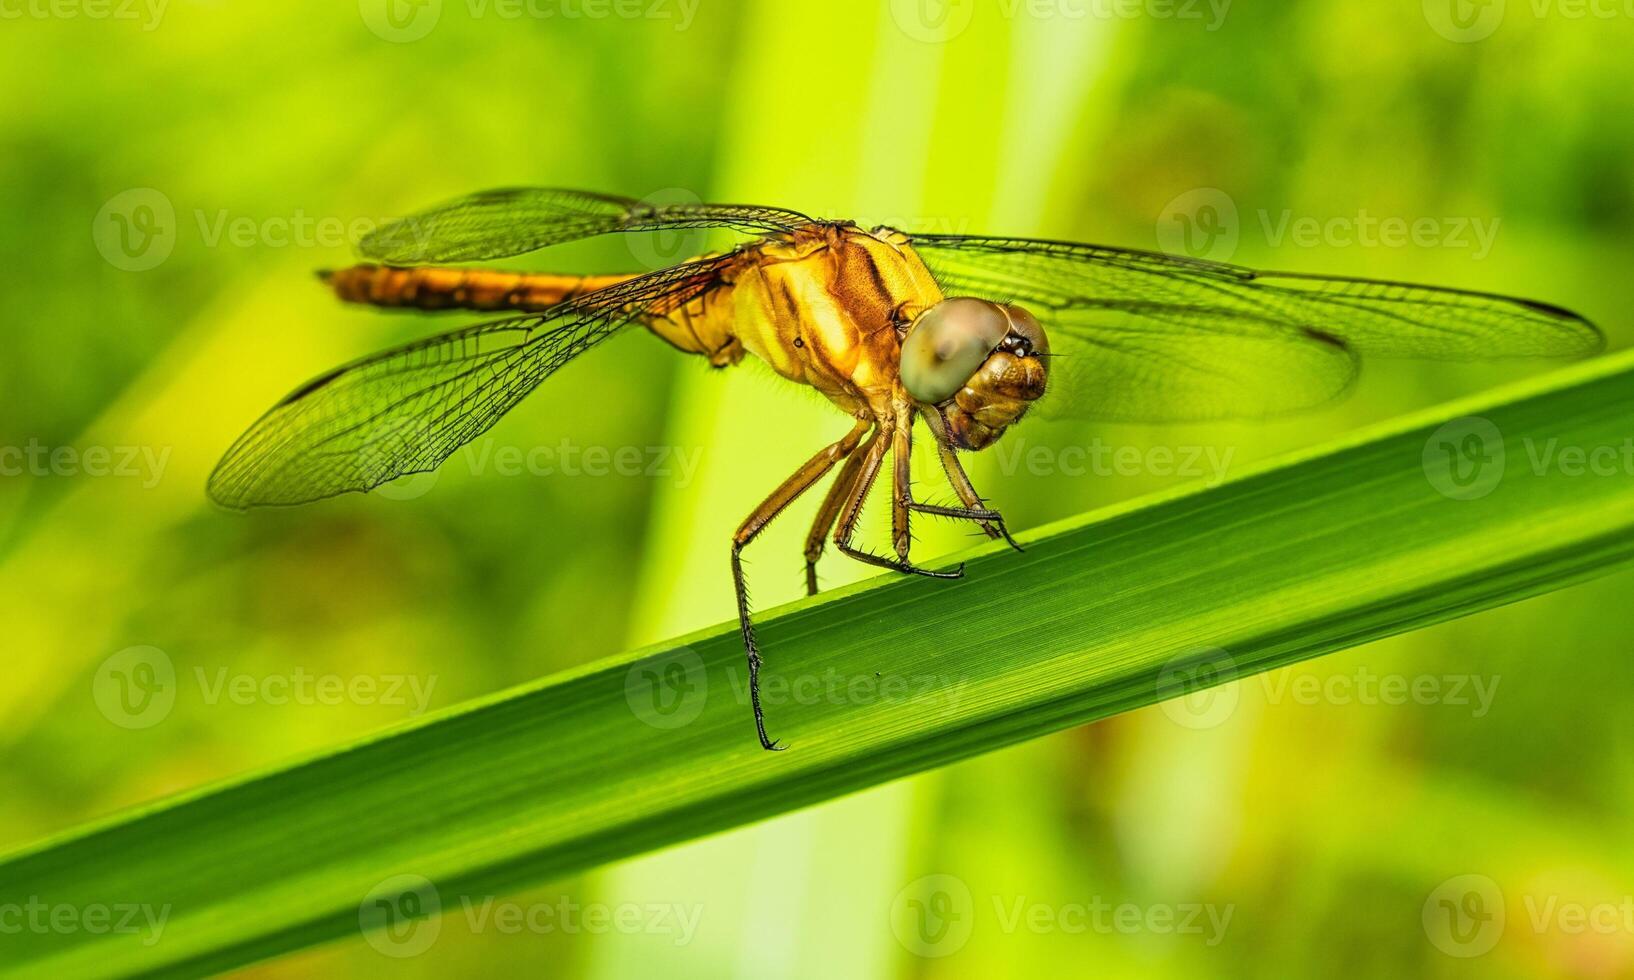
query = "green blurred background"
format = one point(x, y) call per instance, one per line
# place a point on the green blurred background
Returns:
point(171, 174)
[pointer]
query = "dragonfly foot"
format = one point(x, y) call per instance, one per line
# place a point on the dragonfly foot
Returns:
point(910, 568)
point(991, 520)
point(897, 565)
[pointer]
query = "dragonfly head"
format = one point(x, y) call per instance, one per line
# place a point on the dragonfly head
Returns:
point(974, 366)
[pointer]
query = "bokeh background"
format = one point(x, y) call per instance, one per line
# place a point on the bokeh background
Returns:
point(171, 174)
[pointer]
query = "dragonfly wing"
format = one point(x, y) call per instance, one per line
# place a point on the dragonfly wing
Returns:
point(1179, 365)
point(407, 409)
point(1265, 331)
point(499, 223)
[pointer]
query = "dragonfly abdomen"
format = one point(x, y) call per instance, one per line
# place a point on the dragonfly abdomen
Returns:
point(442, 288)
point(700, 326)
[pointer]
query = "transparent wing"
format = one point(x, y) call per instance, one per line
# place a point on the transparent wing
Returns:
point(1143, 336)
point(407, 409)
point(499, 223)
point(1130, 367)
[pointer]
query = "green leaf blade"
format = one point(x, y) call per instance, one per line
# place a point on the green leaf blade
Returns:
point(1101, 614)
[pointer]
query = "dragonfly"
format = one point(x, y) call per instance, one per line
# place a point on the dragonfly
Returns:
point(965, 333)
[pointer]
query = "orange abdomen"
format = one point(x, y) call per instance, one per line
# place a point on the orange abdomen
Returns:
point(438, 288)
point(700, 326)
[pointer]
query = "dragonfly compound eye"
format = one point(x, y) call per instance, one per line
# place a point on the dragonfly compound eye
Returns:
point(946, 346)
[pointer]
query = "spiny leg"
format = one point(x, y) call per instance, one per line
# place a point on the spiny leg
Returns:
point(905, 505)
point(901, 483)
point(873, 455)
point(827, 514)
point(962, 486)
point(790, 490)
point(974, 508)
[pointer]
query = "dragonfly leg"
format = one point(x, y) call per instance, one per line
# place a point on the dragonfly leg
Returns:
point(974, 508)
point(827, 514)
point(873, 454)
point(786, 493)
point(902, 484)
